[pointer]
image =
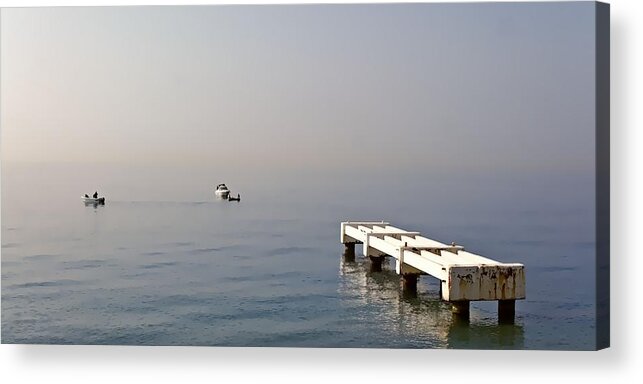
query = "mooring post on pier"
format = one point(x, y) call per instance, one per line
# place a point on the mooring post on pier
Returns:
point(410, 283)
point(506, 311)
point(460, 308)
point(376, 263)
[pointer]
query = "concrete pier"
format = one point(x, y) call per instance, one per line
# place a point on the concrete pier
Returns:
point(464, 276)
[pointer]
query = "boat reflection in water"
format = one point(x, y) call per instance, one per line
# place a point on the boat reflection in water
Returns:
point(417, 321)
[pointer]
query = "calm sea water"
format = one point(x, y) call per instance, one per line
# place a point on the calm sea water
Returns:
point(165, 263)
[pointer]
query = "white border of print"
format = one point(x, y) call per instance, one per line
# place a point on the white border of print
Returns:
point(104, 364)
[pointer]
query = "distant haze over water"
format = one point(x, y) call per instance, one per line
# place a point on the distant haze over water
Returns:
point(432, 86)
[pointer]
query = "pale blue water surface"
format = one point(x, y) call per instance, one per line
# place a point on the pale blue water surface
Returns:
point(165, 263)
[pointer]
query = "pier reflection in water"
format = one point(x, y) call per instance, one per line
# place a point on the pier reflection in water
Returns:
point(376, 304)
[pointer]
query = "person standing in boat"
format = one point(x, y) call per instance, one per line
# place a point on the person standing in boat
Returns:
point(96, 195)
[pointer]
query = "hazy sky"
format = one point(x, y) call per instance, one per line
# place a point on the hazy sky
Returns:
point(456, 86)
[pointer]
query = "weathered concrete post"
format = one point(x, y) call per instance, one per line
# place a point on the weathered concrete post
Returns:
point(460, 309)
point(410, 283)
point(506, 311)
point(349, 252)
point(376, 263)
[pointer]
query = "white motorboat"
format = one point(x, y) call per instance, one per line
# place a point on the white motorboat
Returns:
point(222, 191)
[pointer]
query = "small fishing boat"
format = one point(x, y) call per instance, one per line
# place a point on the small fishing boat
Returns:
point(222, 191)
point(93, 200)
point(238, 198)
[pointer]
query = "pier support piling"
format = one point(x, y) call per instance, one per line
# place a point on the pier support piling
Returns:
point(460, 309)
point(376, 263)
point(506, 311)
point(410, 284)
point(349, 252)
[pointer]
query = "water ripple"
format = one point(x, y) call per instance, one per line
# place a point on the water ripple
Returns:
point(52, 283)
point(83, 264)
point(209, 250)
point(288, 251)
point(153, 253)
point(160, 265)
point(44, 256)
